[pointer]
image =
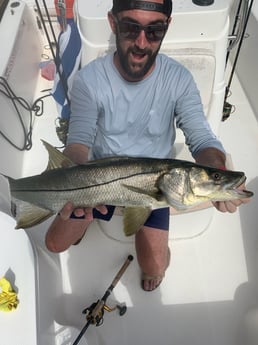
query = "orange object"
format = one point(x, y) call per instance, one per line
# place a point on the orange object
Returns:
point(69, 8)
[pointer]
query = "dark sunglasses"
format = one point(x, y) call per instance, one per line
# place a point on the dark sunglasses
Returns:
point(130, 30)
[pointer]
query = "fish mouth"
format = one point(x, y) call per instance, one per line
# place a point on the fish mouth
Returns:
point(240, 182)
point(242, 193)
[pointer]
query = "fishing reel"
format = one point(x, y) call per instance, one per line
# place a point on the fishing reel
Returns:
point(94, 313)
point(62, 127)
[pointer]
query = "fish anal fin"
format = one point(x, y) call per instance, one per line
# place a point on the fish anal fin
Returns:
point(56, 158)
point(134, 218)
point(28, 215)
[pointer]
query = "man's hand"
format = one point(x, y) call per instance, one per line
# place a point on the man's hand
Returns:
point(69, 208)
point(215, 158)
point(65, 231)
point(232, 205)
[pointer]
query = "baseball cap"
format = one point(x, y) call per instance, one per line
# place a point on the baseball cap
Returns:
point(125, 5)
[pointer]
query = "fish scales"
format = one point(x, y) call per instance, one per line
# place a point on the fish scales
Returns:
point(138, 184)
point(92, 184)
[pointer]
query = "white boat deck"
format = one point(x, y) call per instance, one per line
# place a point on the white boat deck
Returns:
point(209, 294)
point(208, 297)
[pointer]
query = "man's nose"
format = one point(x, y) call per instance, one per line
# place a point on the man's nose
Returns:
point(141, 41)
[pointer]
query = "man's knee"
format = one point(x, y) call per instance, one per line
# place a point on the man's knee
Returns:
point(159, 219)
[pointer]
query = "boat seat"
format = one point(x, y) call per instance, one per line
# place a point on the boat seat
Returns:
point(197, 224)
point(202, 64)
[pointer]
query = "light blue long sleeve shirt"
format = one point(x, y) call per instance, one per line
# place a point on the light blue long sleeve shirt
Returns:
point(117, 117)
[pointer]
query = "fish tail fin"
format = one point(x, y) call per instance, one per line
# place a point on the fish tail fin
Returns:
point(25, 213)
point(28, 215)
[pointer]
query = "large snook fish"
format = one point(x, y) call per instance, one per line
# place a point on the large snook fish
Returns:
point(138, 184)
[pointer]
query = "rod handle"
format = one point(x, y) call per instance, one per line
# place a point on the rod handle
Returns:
point(122, 270)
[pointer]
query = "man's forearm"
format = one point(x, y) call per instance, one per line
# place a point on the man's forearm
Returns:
point(211, 157)
point(78, 153)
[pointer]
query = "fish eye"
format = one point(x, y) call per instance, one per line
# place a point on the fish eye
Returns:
point(216, 176)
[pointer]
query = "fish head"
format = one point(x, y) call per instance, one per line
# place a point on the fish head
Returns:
point(215, 184)
point(191, 185)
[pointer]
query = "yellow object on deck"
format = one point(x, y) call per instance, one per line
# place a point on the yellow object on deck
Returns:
point(8, 297)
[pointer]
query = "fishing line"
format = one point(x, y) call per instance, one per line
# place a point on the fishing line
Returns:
point(8, 93)
point(17, 101)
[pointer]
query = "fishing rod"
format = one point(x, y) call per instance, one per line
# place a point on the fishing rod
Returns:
point(238, 26)
point(227, 106)
point(94, 313)
point(46, 31)
point(56, 59)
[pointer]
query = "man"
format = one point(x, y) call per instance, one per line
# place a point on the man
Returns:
point(126, 104)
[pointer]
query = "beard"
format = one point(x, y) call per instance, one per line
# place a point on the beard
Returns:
point(135, 71)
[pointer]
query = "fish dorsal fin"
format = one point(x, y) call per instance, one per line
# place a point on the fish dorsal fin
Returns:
point(56, 158)
point(134, 218)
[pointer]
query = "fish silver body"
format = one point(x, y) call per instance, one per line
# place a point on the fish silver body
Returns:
point(138, 184)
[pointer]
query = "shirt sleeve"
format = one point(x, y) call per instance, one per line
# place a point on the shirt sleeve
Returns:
point(190, 117)
point(84, 113)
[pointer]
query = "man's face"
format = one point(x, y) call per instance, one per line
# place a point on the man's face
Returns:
point(138, 39)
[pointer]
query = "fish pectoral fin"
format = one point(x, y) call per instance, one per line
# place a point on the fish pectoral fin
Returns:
point(134, 218)
point(28, 215)
point(155, 195)
point(56, 158)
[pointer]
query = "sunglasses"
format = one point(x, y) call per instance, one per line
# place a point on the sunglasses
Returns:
point(130, 30)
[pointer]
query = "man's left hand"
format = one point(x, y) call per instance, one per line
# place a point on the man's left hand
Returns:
point(231, 205)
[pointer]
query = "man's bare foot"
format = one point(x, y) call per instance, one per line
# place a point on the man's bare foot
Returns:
point(153, 256)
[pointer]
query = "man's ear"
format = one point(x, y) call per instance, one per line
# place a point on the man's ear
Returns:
point(112, 22)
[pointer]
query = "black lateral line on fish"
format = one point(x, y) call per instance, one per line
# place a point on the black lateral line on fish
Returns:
point(84, 187)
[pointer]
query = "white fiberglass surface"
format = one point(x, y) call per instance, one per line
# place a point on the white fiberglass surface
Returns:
point(208, 295)
point(17, 265)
